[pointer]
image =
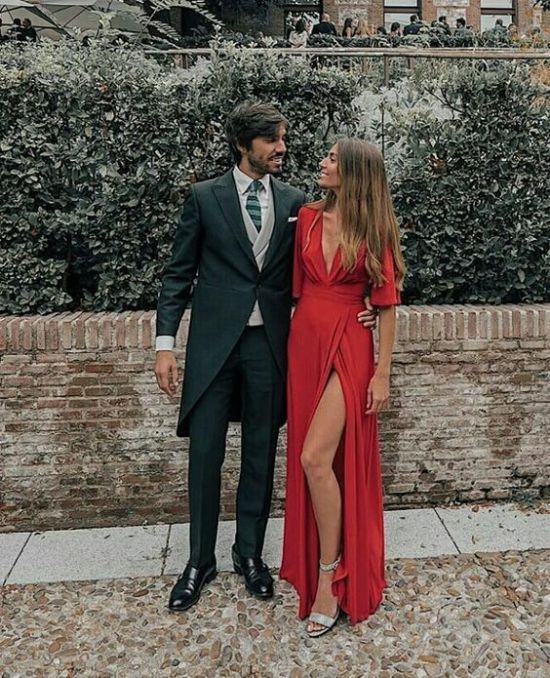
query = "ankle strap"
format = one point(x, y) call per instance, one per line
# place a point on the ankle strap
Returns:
point(330, 567)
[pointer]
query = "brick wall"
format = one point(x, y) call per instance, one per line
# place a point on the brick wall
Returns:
point(86, 438)
point(373, 11)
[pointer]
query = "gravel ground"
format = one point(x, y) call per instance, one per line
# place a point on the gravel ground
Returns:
point(462, 616)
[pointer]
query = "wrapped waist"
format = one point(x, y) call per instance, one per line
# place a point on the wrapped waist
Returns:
point(350, 295)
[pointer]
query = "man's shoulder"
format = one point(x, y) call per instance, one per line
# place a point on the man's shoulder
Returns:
point(290, 190)
point(206, 185)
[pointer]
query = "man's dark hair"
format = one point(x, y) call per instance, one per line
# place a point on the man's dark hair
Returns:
point(461, 22)
point(249, 121)
point(413, 18)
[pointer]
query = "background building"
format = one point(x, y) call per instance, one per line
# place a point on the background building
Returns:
point(479, 14)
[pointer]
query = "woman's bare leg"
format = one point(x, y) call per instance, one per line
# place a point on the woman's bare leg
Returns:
point(317, 459)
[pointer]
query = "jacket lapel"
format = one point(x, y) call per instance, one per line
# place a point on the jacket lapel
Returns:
point(230, 207)
point(281, 216)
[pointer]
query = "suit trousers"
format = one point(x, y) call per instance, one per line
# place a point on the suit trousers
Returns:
point(252, 370)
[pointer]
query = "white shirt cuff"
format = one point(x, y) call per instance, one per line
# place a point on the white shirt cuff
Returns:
point(165, 343)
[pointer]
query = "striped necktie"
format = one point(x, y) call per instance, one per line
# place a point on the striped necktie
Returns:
point(253, 206)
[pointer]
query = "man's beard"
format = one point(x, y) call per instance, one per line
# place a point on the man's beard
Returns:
point(262, 166)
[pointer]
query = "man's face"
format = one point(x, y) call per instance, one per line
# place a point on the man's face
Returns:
point(265, 155)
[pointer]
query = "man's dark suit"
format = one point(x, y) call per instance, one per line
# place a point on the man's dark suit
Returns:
point(232, 372)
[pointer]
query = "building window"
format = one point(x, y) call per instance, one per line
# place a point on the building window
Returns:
point(400, 11)
point(491, 10)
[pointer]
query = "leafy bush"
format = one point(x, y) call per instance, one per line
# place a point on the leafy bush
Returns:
point(92, 169)
point(428, 37)
point(98, 147)
point(472, 183)
point(99, 144)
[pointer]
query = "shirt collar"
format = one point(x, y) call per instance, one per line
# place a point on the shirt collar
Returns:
point(243, 181)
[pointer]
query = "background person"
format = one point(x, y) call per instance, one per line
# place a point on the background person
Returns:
point(325, 26)
point(347, 31)
point(299, 36)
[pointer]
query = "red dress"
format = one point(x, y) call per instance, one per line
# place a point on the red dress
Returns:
point(325, 335)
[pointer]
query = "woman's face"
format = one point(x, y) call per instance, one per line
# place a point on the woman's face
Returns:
point(329, 177)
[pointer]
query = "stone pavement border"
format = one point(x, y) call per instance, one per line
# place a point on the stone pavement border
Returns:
point(155, 550)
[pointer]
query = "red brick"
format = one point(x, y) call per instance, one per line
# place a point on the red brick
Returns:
point(95, 367)
point(19, 381)
point(84, 381)
point(106, 331)
point(52, 334)
point(131, 330)
point(80, 330)
point(91, 332)
point(56, 403)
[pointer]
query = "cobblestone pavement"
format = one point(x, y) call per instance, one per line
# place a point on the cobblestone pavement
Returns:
point(462, 616)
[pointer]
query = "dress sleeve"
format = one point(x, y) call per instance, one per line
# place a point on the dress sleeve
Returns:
point(298, 266)
point(386, 294)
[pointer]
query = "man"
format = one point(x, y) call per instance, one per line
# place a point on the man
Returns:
point(445, 24)
point(413, 27)
point(28, 32)
point(237, 231)
point(460, 23)
point(16, 31)
point(461, 30)
point(324, 27)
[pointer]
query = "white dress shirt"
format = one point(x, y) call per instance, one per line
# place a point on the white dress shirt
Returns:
point(242, 182)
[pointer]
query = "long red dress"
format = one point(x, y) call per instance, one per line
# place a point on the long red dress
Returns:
point(325, 336)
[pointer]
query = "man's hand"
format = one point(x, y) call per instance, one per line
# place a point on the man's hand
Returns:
point(166, 372)
point(368, 317)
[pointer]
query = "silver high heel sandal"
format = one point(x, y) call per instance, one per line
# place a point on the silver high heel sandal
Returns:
point(322, 619)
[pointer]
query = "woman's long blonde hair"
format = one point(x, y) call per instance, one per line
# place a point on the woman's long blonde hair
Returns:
point(362, 28)
point(366, 209)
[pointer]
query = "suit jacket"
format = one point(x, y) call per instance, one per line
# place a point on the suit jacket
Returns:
point(211, 239)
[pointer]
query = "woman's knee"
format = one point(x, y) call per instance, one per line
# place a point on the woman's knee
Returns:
point(313, 464)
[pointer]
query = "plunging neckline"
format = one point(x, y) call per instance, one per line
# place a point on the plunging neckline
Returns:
point(328, 269)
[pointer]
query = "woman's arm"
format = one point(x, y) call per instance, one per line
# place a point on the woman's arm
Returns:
point(378, 392)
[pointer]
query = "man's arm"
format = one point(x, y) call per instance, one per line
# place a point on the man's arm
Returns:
point(175, 291)
point(181, 269)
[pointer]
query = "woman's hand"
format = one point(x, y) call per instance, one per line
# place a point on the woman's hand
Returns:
point(378, 393)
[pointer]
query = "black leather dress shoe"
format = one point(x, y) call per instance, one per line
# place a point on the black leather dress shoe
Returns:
point(187, 590)
point(257, 578)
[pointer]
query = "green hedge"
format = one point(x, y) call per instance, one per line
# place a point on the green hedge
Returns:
point(98, 146)
point(472, 184)
point(429, 36)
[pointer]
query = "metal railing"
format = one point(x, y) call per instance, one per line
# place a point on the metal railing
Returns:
point(362, 60)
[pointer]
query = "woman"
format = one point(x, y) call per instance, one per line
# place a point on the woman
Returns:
point(362, 30)
point(298, 37)
point(347, 31)
point(395, 29)
point(333, 550)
